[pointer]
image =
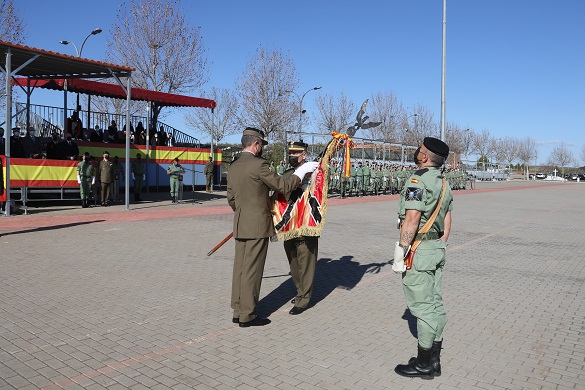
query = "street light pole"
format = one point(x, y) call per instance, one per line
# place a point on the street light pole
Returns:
point(95, 31)
point(301, 111)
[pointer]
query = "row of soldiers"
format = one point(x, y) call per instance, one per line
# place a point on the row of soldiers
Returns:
point(375, 178)
point(371, 178)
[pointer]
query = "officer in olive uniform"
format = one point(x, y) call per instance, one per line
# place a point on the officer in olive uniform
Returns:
point(422, 283)
point(175, 171)
point(249, 183)
point(105, 174)
point(138, 174)
point(301, 251)
point(85, 178)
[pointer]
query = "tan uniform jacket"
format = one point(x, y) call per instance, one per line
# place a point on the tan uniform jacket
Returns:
point(248, 184)
point(105, 171)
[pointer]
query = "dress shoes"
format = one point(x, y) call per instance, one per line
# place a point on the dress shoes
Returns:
point(296, 310)
point(235, 320)
point(255, 322)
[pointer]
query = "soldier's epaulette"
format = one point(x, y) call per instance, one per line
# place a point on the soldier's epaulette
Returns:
point(420, 172)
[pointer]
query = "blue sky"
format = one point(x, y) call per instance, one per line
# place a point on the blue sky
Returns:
point(514, 67)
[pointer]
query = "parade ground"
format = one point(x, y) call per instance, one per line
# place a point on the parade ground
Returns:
point(104, 298)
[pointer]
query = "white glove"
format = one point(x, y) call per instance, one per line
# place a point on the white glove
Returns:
point(398, 266)
point(93, 181)
point(308, 167)
point(133, 177)
point(78, 180)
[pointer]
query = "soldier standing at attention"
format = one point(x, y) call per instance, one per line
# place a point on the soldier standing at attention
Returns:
point(367, 175)
point(280, 168)
point(118, 174)
point(426, 197)
point(175, 171)
point(301, 251)
point(359, 179)
point(138, 175)
point(208, 172)
point(249, 182)
point(85, 178)
point(105, 173)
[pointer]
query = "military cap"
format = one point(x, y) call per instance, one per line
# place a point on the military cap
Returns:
point(436, 146)
point(255, 133)
point(106, 152)
point(298, 146)
point(177, 159)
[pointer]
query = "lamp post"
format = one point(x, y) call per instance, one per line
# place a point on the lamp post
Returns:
point(78, 52)
point(301, 112)
point(406, 130)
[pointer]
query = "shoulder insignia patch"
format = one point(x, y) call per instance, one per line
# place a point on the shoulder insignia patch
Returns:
point(413, 180)
point(413, 193)
point(421, 171)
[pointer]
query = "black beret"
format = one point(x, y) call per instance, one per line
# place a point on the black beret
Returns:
point(436, 146)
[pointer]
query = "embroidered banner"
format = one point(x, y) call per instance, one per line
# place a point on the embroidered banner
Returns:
point(304, 213)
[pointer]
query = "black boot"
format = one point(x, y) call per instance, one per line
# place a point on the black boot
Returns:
point(436, 357)
point(173, 199)
point(83, 203)
point(419, 367)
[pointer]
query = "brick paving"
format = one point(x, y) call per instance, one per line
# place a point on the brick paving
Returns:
point(104, 298)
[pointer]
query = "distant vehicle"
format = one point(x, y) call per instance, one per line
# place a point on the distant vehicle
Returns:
point(540, 175)
point(575, 176)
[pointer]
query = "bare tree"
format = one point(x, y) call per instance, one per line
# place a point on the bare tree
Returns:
point(483, 143)
point(506, 150)
point(12, 29)
point(561, 156)
point(336, 113)
point(527, 151)
point(154, 37)
point(264, 91)
point(415, 128)
point(385, 107)
point(12, 26)
point(223, 121)
point(583, 154)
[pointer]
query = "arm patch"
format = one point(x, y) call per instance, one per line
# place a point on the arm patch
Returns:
point(413, 193)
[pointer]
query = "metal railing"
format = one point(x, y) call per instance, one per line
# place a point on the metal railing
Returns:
point(48, 119)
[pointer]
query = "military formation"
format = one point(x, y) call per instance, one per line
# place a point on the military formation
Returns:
point(380, 178)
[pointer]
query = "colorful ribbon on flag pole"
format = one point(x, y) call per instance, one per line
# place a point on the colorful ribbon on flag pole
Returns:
point(347, 144)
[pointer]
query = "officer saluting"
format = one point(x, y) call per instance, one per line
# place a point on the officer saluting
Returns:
point(426, 197)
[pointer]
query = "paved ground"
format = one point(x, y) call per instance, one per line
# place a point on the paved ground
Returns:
point(107, 298)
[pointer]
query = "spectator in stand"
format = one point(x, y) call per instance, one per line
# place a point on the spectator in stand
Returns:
point(140, 138)
point(2, 142)
point(32, 145)
point(16, 147)
point(113, 132)
point(55, 149)
point(74, 124)
point(70, 149)
point(154, 140)
point(162, 137)
point(170, 140)
point(96, 135)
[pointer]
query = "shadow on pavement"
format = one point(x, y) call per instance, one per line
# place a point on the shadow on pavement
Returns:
point(329, 274)
point(411, 320)
point(54, 227)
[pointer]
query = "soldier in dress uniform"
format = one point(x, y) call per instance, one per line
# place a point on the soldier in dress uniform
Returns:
point(249, 183)
point(175, 171)
point(105, 174)
point(85, 178)
point(138, 174)
point(422, 283)
point(301, 251)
